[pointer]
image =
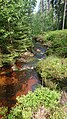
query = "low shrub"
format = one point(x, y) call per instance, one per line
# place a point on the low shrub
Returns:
point(3, 112)
point(59, 113)
point(27, 105)
point(57, 42)
point(52, 70)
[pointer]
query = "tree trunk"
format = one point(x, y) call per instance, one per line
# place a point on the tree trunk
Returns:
point(58, 14)
point(48, 5)
point(64, 14)
point(42, 6)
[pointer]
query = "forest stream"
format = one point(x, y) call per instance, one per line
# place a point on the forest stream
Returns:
point(21, 78)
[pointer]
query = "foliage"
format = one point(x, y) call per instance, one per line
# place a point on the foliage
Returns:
point(58, 113)
point(42, 22)
point(28, 104)
point(3, 112)
point(36, 24)
point(52, 70)
point(15, 26)
point(57, 42)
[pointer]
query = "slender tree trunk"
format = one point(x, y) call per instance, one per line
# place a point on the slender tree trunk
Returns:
point(58, 14)
point(48, 5)
point(58, 24)
point(41, 11)
point(64, 14)
point(42, 6)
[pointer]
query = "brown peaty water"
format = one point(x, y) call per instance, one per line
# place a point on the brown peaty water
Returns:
point(15, 83)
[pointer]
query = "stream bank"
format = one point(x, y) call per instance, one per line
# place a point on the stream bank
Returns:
point(22, 77)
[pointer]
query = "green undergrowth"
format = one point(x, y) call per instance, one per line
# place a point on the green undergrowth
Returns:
point(59, 113)
point(8, 58)
point(14, 52)
point(27, 105)
point(53, 71)
point(3, 112)
point(57, 42)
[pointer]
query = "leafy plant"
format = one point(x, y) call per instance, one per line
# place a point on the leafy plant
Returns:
point(58, 113)
point(15, 27)
point(3, 112)
point(27, 105)
point(52, 70)
point(58, 42)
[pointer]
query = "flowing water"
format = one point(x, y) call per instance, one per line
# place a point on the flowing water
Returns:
point(14, 83)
